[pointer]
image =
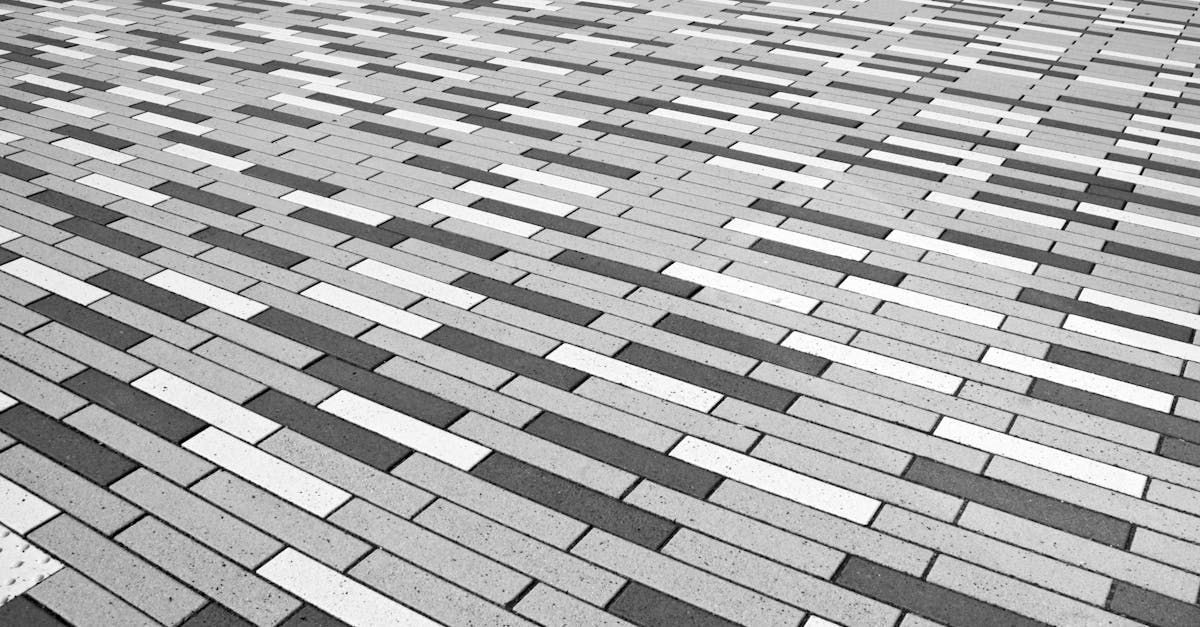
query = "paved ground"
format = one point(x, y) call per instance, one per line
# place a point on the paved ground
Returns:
point(599, 312)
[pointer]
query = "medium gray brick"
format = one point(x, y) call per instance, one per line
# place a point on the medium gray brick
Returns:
point(266, 371)
point(422, 591)
point(477, 495)
point(161, 326)
point(66, 490)
point(1136, 511)
point(108, 257)
point(37, 357)
point(918, 396)
point(237, 589)
point(594, 414)
point(473, 397)
point(550, 607)
point(886, 459)
point(781, 582)
point(311, 310)
point(489, 579)
point(1165, 548)
point(434, 356)
point(829, 530)
point(138, 444)
point(207, 523)
point(1019, 597)
point(885, 487)
point(83, 602)
point(243, 333)
point(256, 269)
point(37, 392)
point(281, 519)
point(1114, 563)
point(667, 414)
point(738, 530)
point(207, 374)
point(531, 449)
point(18, 318)
point(999, 556)
point(687, 583)
point(1129, 435)
point(394, 495)
point(130, 577)
point(527, 555)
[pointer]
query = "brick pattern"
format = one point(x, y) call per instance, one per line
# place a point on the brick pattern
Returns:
point(599, 312)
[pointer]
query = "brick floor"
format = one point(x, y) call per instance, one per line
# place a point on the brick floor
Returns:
point(599, 312)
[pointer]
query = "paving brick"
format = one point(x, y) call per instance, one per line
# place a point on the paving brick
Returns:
point(697, 594)
point(442, 359)
point(489, 579)
point(385, 391)
point(37, 392)
point(233, 587)
point(151, 321)
point(65, 489)
point(209, 374)
point(850, 250)
point(512, 509)
point(804, 591)
point(226, 534)
point(126, 575)
point(667, 414)
point(420, 590)
point(394, 495)
point(548, 606)
point(264, 370)
point(1124, 508)
point(37, 357)
point(64, 445)
point(1117, 564)
point(81, 601)
point(281, 519)
point(546, 454)
point(786, 427)
point(1044, 606)
point(23, 611)
point(215, 614)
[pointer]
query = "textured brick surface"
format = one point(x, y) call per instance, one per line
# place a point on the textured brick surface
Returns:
point(599, 312)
